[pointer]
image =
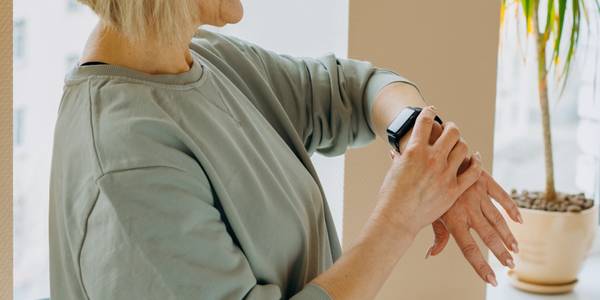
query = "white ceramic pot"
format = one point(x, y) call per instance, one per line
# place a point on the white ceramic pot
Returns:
point(552, 248)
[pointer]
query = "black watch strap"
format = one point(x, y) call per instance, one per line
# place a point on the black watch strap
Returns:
point(402, 124)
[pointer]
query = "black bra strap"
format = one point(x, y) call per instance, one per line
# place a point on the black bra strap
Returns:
point(91, 63)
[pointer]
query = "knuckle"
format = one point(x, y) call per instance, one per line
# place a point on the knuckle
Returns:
point(463, 145)
point(480, 184)
point(453, 129)
point(497, 220)
point(439, 155)
point(482, 268)
point(489, 238)
point(470, 250)
point(476, 174)
point(426, 121)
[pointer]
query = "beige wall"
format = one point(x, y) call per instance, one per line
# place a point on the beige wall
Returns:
point(5, 149)
point(449, 48)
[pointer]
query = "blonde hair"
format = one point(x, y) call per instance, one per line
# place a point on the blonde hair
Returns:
point(164, 20)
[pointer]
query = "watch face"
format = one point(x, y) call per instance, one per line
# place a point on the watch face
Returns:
point(401, 119)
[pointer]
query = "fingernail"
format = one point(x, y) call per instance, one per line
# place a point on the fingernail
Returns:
point(478, 155)
point(515, 248)
point(491, 279)
point(433, 108)
point(510, 263)
point(428, 252)
point(519, 219)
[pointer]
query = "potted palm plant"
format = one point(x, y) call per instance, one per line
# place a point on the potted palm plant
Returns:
point(558, 228)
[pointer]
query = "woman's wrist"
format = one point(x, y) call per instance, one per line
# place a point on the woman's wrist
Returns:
point(394, 223)
point(390, 101)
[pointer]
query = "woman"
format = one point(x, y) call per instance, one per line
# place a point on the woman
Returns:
point(181, 170)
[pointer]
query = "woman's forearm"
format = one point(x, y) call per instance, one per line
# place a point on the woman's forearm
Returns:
point(362, 270)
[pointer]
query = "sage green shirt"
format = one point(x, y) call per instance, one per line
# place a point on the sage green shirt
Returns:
point(200, 185)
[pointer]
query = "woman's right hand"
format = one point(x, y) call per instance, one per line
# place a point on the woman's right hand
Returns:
point(423, 181)
point(420, 186)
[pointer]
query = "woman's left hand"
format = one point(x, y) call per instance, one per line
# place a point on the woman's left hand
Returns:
point(474, 209)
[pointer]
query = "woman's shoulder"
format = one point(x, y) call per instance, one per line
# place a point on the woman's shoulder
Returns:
point(218, 41)
point(119, 129)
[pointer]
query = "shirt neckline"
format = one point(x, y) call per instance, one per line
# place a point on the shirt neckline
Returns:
point(190, 77)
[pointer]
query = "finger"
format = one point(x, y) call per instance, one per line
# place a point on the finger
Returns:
point(457, 156)
point(492, 240)
point(450, 136)
point(441, 236)
point(502, 197)
point(392, 154)
point(470, 175)
point(422, 130)
point(473, 255)
point(494, 217)
point(436, 132)
point(465, 164)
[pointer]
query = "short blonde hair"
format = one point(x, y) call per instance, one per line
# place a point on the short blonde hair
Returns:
point(165, 20)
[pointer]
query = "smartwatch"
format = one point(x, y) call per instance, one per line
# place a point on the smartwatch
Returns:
point(402, 124)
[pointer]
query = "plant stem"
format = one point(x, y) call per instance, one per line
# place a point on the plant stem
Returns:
point(544, 105)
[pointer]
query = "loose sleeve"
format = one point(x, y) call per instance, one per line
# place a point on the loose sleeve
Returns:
point(157, 233)
point(328, 99)
point(331, 98)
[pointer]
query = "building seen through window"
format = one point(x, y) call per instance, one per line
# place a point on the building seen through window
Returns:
point(19, 41)
point(18, 121)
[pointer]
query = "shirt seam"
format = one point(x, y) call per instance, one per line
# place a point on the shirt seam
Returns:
point(83, 240)
point(119, 170)
point(99, 191)
point(182, 87)
point(92, 130)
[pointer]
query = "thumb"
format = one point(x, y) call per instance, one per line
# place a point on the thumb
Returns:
point(441, 237)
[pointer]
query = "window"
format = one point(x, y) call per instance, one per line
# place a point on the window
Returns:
point(518, 152)
point(34, 117)
point(71, 61)
point(72, 6)
point(575, 126)
point(19, 41)
point(18, 122)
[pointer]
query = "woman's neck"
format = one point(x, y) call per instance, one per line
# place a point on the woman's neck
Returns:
point(111, 47)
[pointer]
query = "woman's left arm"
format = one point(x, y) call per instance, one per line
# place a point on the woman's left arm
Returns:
point(334, 99)
point(335, 103)
point(328, 100)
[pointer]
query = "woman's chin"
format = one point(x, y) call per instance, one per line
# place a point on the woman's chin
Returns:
point(234, 14)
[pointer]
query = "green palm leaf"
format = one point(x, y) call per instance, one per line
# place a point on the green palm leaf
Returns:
point(551, 40)
point(553, 34)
